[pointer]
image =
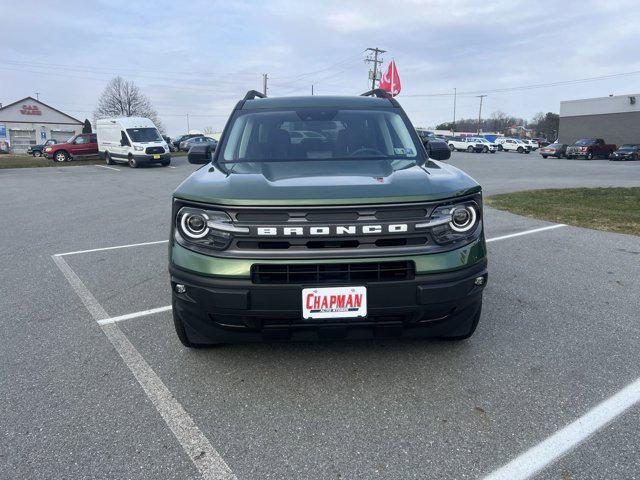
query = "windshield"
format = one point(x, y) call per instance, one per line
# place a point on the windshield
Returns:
point(143, 135)
point(627, 147)
point(329, 134)
point(586, 141)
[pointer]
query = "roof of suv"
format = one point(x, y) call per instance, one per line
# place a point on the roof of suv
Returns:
point(334, 101)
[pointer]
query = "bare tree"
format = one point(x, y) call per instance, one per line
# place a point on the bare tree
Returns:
point(208, 130)
point(123, 98)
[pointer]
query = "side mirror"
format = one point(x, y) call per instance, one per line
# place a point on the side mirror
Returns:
point(438, 150)
point(200, 154)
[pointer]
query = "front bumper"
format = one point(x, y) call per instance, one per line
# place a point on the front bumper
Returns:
point(145, 159)
point(229, 309)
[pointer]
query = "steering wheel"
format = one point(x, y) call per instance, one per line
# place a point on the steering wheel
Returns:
point(366, 150)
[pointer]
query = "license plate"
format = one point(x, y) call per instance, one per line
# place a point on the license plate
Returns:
point(334, 302)
point(156, 156)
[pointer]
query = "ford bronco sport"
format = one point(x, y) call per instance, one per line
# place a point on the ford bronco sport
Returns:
point(351, 233)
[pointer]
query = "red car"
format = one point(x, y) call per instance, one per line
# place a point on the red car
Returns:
point(84, 145)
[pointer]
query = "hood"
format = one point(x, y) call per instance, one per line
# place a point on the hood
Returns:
point(313, 183)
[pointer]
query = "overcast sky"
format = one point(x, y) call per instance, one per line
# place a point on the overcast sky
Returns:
point(201, 57)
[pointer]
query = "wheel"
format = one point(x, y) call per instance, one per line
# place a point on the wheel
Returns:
point(590, 156)
point(472, 328)
point(470, 149)
point(37, 153)
point(132, 162)
point(527, 151)
point(500, 148)
point(520, 150)
point(182, 333)
point(451, 147)
point(544, 156)
point(485, 149)
point(107, 159)
point(60, 156)
point(493, 151)
point(165, 163)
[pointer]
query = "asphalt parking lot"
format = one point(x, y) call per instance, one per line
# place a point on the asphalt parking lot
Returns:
point(85, 397)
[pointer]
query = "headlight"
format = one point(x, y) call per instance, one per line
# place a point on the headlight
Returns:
point(138, 148)
point(209, 229)
point(453, 223)
point(48, 149)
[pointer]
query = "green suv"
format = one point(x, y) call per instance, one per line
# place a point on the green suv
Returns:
point(352, 232)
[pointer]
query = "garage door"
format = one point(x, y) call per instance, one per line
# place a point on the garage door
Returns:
point(61, 136)
point(21, 140)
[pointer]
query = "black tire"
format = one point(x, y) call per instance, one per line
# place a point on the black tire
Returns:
point(545, 156)
point(470, 332)
point(182, 333)
point(165, 163)
point(527, 151)
point(520, 150)
point(452, 148)
point(500, 148)
point(470, 149)
point(37, 153)
point(107, 159)
point(61, 156)
point(485, 149)
point(132, 162)
point(590, 156)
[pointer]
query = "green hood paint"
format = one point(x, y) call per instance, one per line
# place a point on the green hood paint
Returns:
point(313, 183)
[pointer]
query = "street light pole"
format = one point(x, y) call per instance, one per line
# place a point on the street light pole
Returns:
point(480, 112)
point(455, 97)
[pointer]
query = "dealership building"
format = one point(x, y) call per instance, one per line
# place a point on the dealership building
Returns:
point(31, 122)
point(616, 119)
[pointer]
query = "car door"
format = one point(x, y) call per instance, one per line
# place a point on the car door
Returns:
point(79, 146)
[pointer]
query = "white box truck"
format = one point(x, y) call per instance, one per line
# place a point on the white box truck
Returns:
point(132, 140)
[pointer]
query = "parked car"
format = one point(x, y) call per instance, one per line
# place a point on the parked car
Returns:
point(628, 151)
point(167, 140)
point(187, 144)
point(301, 249)
point(487, 146)
point(36, 150)
point(425, 136)
point(542, 142)
point(182, 138)
point(4, 147)
point(132, 140)
point(557, 150)
point(590, 148)
point(512, 145)
point(84, 145)
point(299, 136)
point(533, 145)
point(468, 144)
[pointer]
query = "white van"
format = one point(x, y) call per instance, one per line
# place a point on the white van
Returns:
point(132, 140)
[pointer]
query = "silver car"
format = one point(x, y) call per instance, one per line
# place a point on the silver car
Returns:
point(187, 144)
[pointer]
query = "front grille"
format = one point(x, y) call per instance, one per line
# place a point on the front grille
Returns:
point(154, 150)
point(333, 272)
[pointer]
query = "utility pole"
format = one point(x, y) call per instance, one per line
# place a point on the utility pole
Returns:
point(376, 51)
point(312, 89)
point(480, 111)
point(265, 77)
point(187, 123)
point(455, 97)
point(37, 96)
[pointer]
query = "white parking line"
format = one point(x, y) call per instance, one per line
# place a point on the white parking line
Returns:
point(129, 316)
point(110, 168)
point(110, 248)
point(548, 451)
point(526, 232)
point(200, 451)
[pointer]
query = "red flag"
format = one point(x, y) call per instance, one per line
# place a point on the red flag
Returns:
point(390, 81)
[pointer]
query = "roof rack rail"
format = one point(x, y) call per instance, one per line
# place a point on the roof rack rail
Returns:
point(251, 94)
point(376, 92)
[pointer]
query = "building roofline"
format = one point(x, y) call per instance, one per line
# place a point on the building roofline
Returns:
point(41, 103)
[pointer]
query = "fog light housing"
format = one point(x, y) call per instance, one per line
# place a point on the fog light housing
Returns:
point(479, 281)
point(180, 288)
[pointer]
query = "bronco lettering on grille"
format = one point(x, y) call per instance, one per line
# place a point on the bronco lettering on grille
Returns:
point(333, 230)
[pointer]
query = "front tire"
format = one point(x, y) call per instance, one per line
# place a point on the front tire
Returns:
point(520, 150)
point(472, 328)
point(181, 332)
point(165, 163)
point(107, 159)
point(545, 156)
point(37, 154)
point(485, 149)
point(470, 149)
point(133, 163)
point(61, 156)
point(452, 148)
point(590, 156)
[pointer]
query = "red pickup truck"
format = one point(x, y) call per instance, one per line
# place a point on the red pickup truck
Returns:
point(84, 145)
point(590, 148)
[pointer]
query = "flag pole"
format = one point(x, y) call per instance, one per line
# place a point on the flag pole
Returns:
point(393, 74)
